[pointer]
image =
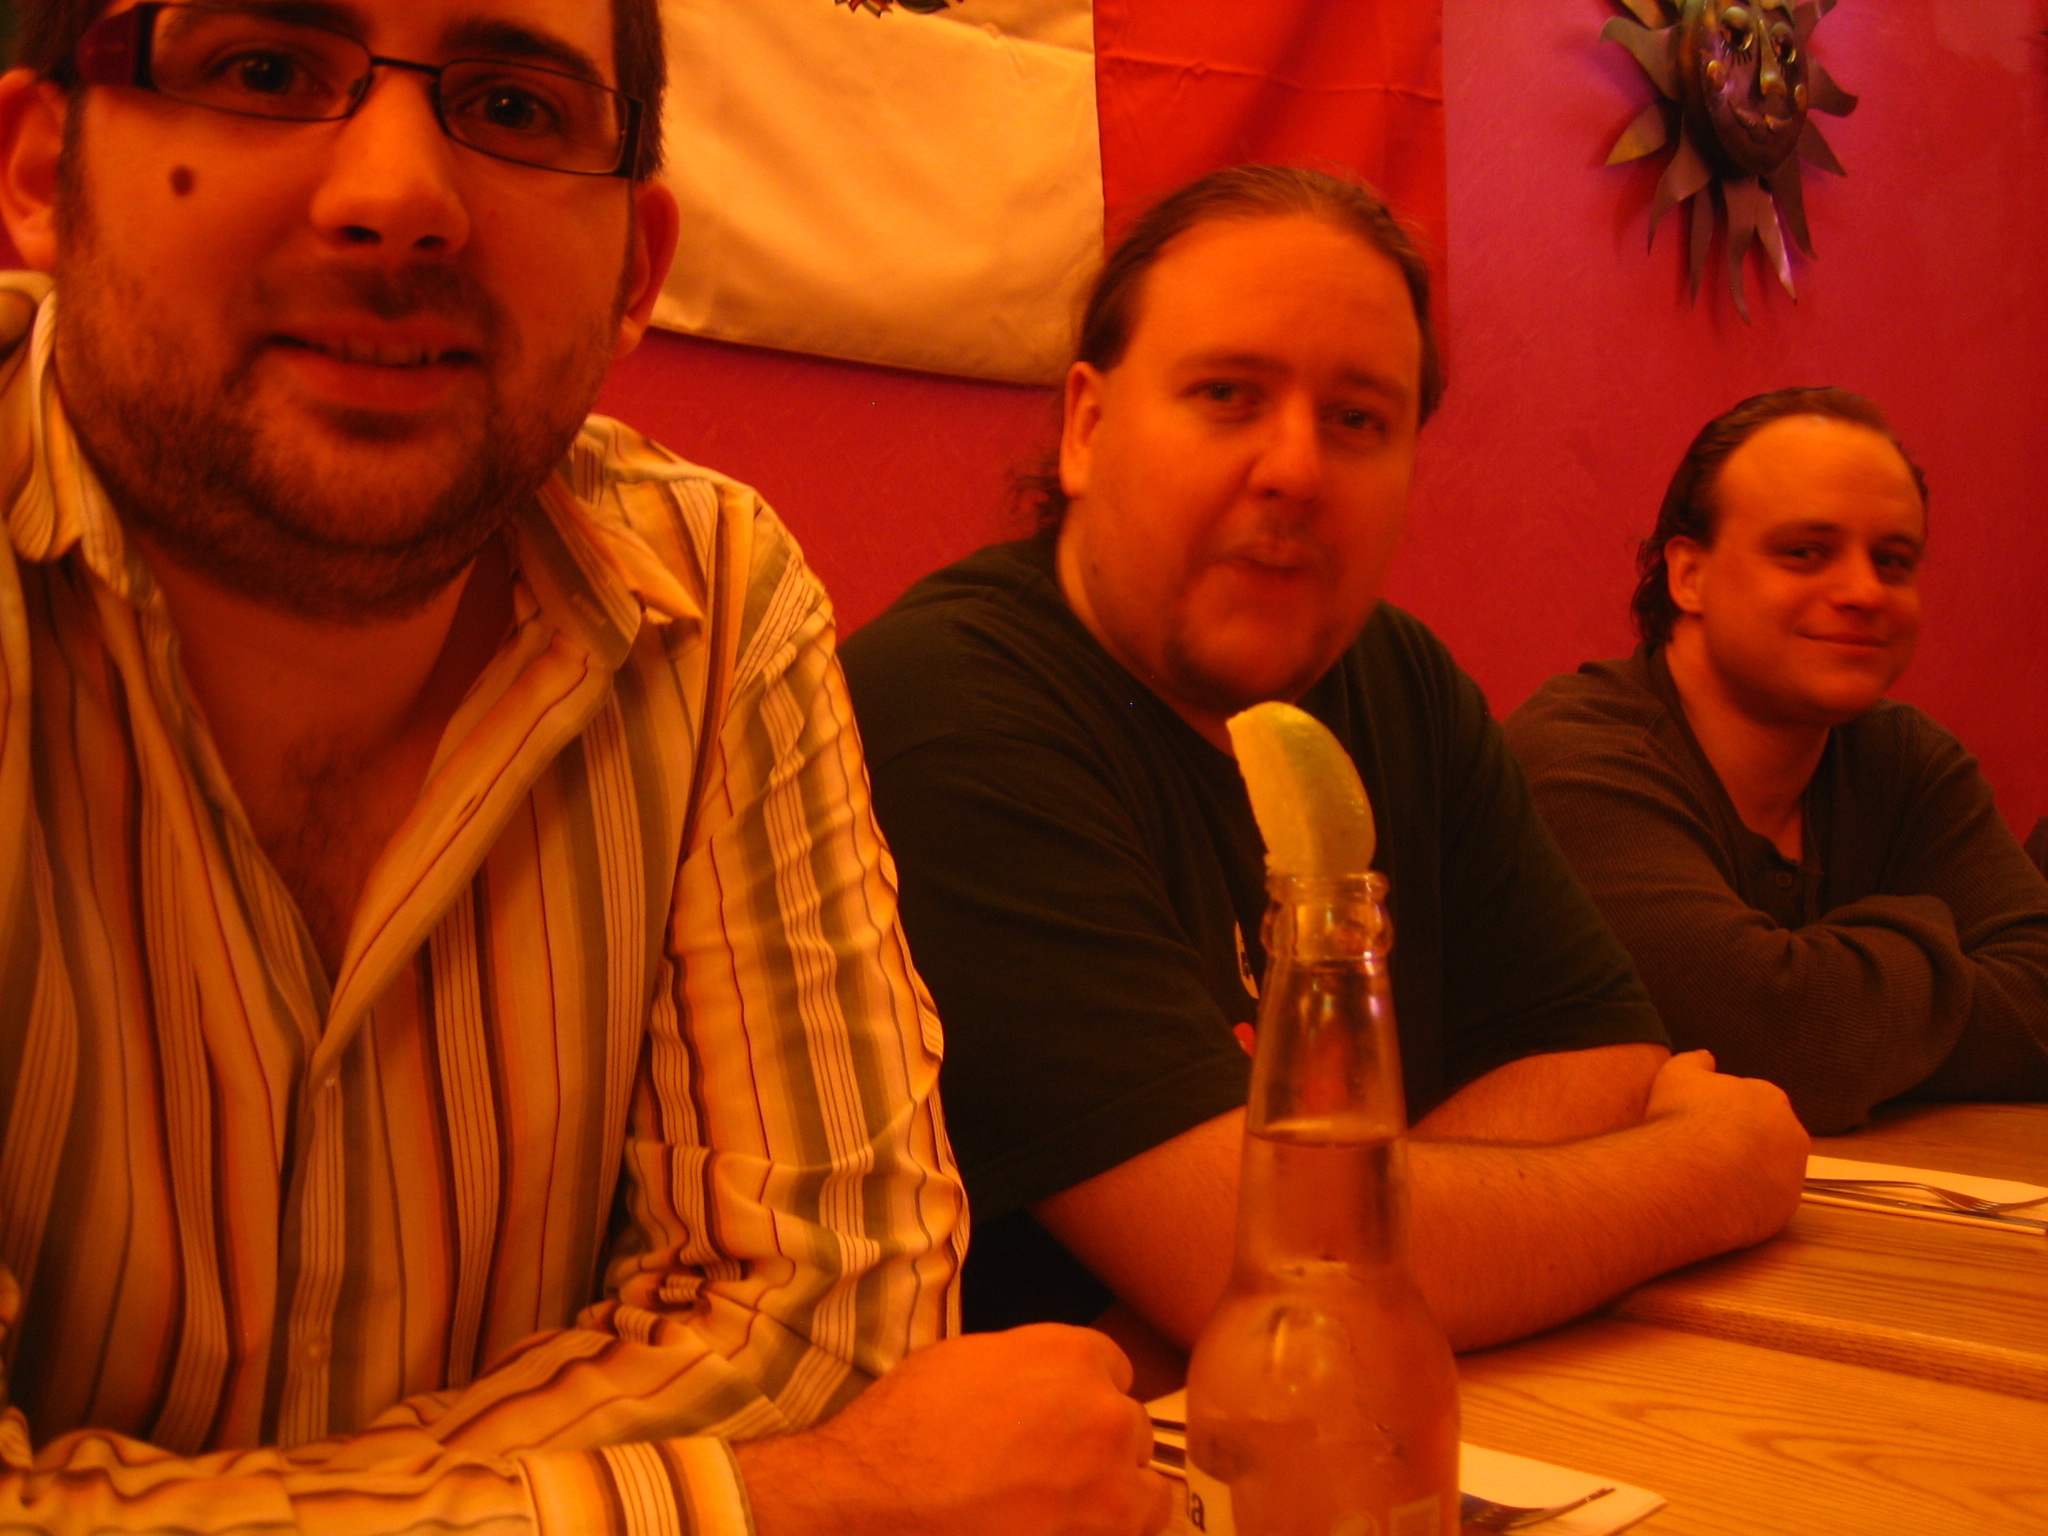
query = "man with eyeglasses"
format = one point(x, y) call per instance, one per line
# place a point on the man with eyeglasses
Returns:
point(459, 1061)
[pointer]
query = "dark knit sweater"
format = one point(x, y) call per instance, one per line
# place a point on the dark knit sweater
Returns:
point(1907, 951)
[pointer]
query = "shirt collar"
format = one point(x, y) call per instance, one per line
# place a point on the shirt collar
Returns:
point(56, 502)
point(591, 571)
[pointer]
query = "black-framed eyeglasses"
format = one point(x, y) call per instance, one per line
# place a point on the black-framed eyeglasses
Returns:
point(255, 65)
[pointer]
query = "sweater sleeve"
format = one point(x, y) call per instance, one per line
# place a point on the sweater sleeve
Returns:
point(1936, 980)
point(1954, 846)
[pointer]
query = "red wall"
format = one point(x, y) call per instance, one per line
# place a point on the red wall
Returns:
point(882, 474)
point(1578, 371)
point(1579, 374)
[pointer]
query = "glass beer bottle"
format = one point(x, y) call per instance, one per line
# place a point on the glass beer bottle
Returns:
point(1322, 1399)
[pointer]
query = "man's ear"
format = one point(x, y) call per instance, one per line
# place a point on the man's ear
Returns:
point(1685, 573)
point(32, 112)
point(655, 223)
point(1077, 427)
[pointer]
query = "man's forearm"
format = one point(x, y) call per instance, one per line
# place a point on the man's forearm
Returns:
point(1557, 1096)
point(1507, 1240)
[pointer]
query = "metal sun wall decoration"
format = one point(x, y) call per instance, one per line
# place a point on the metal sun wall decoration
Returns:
point(1737, 84)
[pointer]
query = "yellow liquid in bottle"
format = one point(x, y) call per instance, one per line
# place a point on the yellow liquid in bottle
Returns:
point(1322, 1394)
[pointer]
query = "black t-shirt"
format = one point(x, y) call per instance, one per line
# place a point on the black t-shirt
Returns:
point(1083, 886)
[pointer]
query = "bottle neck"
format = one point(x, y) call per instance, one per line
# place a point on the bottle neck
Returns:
point(1324, 1183)
point(1328, 1066)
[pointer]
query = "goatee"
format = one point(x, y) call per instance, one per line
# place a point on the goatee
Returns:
point(329, 530)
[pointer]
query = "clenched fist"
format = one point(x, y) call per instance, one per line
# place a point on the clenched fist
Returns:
point(1746, 1134)
point(1027, 1432)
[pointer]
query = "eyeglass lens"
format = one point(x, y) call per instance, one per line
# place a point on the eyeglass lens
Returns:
point(250, 64)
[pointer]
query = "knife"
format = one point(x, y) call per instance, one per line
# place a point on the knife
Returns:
point(1857, 1197)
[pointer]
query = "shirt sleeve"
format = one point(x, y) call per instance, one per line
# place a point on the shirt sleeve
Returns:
point(93, 1481)
point(789, 1225)
point(1938, 981)
point(791, 1200)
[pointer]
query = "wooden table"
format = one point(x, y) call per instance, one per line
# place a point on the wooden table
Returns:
point(1964, 1304)
point(2000, 1141)
point(1860, 1373)
point(1748, 1441)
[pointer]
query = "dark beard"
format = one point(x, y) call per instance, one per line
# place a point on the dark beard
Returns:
point(199, 485)
point(186, 459)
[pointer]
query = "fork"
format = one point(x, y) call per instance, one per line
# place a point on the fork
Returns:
point(1955, 1199)
point(1475, 1514)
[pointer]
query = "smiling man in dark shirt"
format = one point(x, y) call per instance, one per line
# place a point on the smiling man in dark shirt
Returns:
point(1814, 880)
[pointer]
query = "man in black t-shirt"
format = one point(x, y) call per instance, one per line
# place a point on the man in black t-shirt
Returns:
point(1081, 875)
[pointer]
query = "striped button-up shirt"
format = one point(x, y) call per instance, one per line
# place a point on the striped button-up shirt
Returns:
point(598, 1151)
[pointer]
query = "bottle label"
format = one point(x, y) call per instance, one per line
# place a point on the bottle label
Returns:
point(1209, 1512)
point(1208, 1504)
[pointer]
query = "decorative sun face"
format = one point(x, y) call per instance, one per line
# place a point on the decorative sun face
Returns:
point(1737, 83)
point(1750, 73)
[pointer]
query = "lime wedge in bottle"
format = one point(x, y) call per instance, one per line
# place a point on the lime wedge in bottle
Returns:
point(1305, 791)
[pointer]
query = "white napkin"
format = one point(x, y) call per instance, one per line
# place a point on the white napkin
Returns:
point(1517, 1480)
point(1962, 1183)
point(1505, 1479)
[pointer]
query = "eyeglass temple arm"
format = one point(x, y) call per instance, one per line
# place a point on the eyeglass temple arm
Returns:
point(629, 146)
point(116, 51)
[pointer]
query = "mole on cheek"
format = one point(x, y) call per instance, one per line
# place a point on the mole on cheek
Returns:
point(181, 180)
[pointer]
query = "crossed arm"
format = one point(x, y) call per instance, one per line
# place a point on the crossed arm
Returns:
point(1537, 1192)
point(1929, 973)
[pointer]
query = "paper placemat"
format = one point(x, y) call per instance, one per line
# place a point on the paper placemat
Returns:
point(1962, 1183)
point(1505, 1479)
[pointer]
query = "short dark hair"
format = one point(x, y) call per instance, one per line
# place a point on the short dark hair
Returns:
point(1689, 511)
point(47, 34)
point(1242, 192)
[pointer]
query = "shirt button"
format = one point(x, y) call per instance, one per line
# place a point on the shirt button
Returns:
point(1783, 879)
point(315, 1351)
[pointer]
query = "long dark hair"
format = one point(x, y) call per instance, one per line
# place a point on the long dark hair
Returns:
point(1239, 192)
point(1689, 511)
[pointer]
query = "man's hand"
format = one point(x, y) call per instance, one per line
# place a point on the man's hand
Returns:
point(1026, 1432)
point(1748, 1135)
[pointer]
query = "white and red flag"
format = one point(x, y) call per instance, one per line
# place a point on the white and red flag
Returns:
point(927, 186)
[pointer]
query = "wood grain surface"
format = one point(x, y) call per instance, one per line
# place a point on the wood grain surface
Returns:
point(1749, 1441)
point(1932, 1299)
point(1999, 1141)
